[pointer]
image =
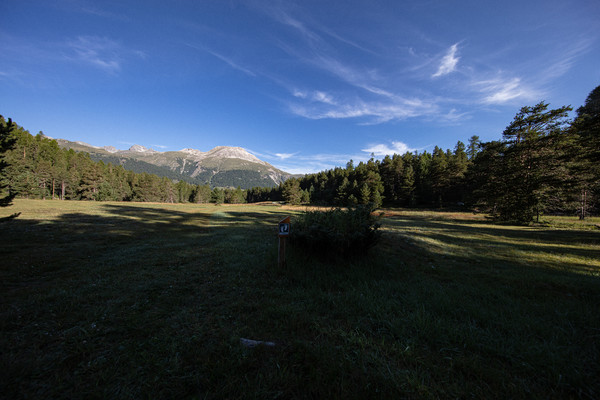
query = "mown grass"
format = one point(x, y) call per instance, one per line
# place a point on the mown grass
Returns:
point(119, 300)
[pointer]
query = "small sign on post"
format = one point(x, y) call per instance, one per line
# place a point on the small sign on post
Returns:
point(285, 226)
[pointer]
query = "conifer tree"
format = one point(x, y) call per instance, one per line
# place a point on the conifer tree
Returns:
point(291, 191)
point(7, 142)
point(527, 171)
point(585, 152)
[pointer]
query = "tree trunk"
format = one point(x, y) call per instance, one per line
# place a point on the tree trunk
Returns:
point(583, 204)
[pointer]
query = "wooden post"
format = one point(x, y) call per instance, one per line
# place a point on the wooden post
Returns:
point(281, 255)
point(284, 232)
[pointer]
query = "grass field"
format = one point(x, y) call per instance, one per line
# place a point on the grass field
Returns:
point(126, 300)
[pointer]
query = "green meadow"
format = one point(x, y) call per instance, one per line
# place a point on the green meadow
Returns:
point(139, 300)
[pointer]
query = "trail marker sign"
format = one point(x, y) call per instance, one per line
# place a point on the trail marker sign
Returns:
point(285, 226)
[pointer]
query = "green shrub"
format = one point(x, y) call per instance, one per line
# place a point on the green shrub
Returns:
point(337, 232)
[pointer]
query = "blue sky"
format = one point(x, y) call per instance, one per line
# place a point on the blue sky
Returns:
point(304, 85)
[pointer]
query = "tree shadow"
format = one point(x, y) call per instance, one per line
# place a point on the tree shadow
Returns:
point(92, 300)
point(484, 244)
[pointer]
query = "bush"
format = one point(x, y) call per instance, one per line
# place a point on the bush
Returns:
point(337, 232)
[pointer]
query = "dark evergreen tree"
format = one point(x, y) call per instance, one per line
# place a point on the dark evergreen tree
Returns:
point(235, 196)
point(7, 142)
point(458, 163)
point(486, 177)
point(438, 175)
point(474, 147)
point(217, 196)
point(582, 154)
point(202, 194)
point(527, 161)
point(291, 191)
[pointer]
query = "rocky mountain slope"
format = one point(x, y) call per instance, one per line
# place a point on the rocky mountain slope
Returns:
point(220, 167)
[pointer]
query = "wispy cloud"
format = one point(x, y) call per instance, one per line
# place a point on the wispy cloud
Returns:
point(223, 58)
point(285, 18)
point(98, 51)
point(362, 92)
point(298, 163)
point(231, 63)
point(449, 62)
point(317, 95)
point(375, 112)
point(499, 91)
point(565, 59)
point(358, 78)
point(283, 156)
point(388, 149)
point(453, 116)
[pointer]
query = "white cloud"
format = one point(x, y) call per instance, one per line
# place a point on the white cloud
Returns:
point(565, 60)
point(100, 52)
point(454, 116)
point(315, 96)
point(448, 63)
point(297, 163)
point(385, 149)
point(500, 91)
point(375, 112)
point(285, 18)
point(323, 98)
point(352, 76)
point(300, 94)
point(225, 59)
point(232, 64)
point(283, 156)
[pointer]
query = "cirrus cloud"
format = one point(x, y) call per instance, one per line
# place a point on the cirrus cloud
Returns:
point(448, 63)
point(385, 149)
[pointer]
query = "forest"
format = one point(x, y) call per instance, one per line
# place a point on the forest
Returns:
point(545, 163)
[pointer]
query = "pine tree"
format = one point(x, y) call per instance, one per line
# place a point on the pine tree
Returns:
point(458, 164)
point(341, 196)
point(201, 194)
point(7, 142)
point(217, 196)
point(474, 147)
point(365, 194)
point(291, 191)
point(438, 174)
point(486, 179)
point(528, 161)
point(585, 154)
point(91, 179)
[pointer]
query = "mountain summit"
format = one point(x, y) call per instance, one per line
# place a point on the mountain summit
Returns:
point(222, 166)
point(141, 149)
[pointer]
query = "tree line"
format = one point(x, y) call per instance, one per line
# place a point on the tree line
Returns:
point(36, 167)
point(544, 163)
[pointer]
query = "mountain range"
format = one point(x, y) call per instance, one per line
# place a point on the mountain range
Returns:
point(222, 166)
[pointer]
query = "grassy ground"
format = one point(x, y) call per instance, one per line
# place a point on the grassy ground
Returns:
point(120, 300)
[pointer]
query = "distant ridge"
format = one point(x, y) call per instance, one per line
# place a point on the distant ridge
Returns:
point(222, 166)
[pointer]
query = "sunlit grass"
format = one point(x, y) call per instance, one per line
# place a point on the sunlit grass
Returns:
point(134, 300)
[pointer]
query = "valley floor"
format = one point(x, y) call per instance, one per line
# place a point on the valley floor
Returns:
point(138, 300)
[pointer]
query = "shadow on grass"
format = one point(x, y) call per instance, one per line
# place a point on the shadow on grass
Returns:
point(521, 238)
point(129, 302)
point(559, 261)
point(150, 301)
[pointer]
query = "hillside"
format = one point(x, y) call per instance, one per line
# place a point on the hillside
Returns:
point(222, 166)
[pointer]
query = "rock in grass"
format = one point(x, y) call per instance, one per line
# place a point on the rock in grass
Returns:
point(254, 343)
